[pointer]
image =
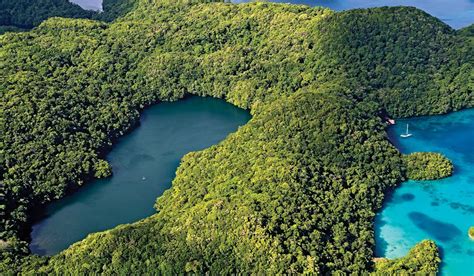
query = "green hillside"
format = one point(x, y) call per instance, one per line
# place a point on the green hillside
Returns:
point(295, 190)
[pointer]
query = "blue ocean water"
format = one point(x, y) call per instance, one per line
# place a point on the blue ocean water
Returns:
point(441, 210)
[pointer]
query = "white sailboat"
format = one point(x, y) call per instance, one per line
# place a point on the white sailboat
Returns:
point(406, 134)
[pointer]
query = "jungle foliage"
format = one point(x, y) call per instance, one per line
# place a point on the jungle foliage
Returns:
point(114, 9)
point(422, 259)
point(295, 190)
point(427, 166)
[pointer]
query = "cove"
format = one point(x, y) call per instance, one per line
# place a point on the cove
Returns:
point(144, 164)
point(440, 210)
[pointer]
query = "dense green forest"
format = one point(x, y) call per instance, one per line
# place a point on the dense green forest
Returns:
point(295, 190)
point(427, 166)
point(113, 9)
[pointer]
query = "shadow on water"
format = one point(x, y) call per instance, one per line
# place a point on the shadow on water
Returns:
point(382, 244)
point(390, 198)
point(392, 135)
point(441, 231)
point(442, 257)
point(404, 198)
point(462, 207)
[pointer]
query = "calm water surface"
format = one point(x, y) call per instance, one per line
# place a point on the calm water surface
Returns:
point(440, 210)
point(144, 164)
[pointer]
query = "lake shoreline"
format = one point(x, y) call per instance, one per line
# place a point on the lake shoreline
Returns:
point(207, 104)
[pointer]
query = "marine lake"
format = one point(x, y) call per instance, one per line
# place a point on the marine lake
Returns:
point(144, 163)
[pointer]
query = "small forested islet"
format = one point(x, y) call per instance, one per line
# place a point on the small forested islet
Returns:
point(427, 166)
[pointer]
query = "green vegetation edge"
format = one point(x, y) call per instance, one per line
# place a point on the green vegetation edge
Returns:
point(293, 191)
point(427, 166)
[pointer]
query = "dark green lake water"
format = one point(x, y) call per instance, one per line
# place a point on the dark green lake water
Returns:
point(144, 164)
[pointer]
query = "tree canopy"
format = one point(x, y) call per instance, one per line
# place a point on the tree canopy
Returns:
point(422, 259)
point(427, 166)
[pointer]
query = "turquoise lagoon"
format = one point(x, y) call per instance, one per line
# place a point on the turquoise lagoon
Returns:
point(144, 163)
point(440, 210)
